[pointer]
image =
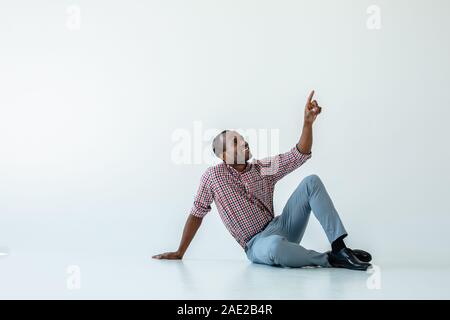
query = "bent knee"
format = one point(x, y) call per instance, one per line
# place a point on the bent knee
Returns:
point(312, 178)
point(310, 183)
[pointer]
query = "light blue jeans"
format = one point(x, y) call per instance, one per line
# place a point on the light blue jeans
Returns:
point(278, 243)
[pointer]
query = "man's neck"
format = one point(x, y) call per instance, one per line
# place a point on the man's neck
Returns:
point(239, 167)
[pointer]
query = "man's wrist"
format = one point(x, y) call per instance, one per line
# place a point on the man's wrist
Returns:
point(307, 124)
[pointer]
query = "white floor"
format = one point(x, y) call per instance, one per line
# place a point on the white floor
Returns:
point(45, 276)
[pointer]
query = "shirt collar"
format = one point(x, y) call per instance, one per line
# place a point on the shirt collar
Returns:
point(247, 168)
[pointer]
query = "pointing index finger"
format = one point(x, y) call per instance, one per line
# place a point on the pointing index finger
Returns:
point(310, 97)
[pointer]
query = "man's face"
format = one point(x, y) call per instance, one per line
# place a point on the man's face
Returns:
point(237, 150)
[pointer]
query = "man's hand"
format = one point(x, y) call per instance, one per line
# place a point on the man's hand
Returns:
point(169, 255)
point(312, 109)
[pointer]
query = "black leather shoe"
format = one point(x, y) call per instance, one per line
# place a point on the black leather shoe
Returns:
point(362, 255)
point(347, 259)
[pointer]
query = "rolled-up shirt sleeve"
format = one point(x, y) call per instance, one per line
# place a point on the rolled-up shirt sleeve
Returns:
point(284, 163)
point(204, 197)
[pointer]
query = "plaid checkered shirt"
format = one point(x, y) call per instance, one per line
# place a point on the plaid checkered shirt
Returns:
point(244, 199)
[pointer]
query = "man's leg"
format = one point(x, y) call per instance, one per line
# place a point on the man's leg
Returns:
point(280, 246)
point(276, 250)
point(310, 195)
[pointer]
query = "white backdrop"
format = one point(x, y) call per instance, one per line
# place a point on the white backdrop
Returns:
point(88, 108)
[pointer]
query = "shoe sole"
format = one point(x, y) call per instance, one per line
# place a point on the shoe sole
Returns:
point(351, 268)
